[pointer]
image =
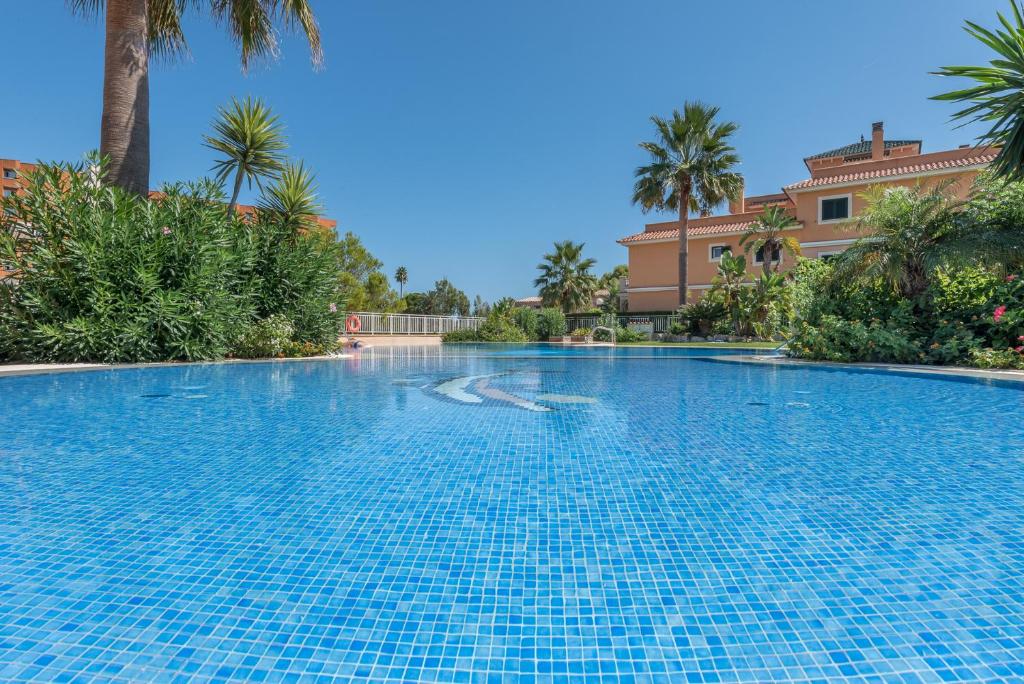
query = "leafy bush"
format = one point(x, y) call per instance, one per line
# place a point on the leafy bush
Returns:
point(528, 321)
point(265, 338)
point(837, 339)
point(580, 332)
point(626, 335)
point(103, 275)
point(996, 358)
point(550, 323)
point(704, 317)
point(501, 329)
point(460, 336)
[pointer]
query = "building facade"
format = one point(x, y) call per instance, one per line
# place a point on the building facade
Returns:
point(822, 205)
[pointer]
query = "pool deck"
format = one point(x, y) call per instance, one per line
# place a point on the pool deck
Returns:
point(934, 371)
point(12, 369)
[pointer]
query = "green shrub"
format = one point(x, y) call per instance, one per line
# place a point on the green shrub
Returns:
point(265, 338)
point(528, 321)
point(460, 336)
point(627, 335)
point(706, 316)
point(678, 328)
point(996, 358)
point(104, 275)
point(501, 329)
point(294, 274)
point(837, 339)
point(550, 323)
point(580, 332)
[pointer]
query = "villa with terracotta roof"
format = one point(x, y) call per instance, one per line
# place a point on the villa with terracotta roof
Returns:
point(821, 204)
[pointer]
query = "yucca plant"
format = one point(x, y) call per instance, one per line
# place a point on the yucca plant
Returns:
point(997, 98)
point(251, 140)
point(292, 197)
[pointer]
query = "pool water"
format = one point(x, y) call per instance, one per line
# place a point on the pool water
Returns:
point(510, 514)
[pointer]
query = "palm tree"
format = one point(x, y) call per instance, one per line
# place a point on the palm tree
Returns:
point(728, 284)
point(292, 197)
point(765, 236)
point(565, 279)
point(997, 98)
point(402, 277)
point(911, 232)
point(136, 28)
point(252, 142)
point(691, 170)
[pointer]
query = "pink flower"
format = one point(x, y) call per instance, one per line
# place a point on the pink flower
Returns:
point(998, 313)
point(1010, 278)
point(166, 230)
point(1021, 338)
point(333, 307)
point(1019, 349)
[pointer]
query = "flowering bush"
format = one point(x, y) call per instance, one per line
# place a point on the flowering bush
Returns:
point(265, 338)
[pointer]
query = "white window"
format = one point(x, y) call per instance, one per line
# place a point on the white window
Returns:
point(10, 174)
point(776, 255)
point(715, 252)
point(835, 208)
point(8, 192)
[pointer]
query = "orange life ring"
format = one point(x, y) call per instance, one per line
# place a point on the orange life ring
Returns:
point(353, 324)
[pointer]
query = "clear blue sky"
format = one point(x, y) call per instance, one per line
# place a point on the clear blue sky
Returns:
point(461, 138)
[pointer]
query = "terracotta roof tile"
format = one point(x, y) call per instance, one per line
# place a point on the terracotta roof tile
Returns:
point(907, 169)
point(859, 148)
point(697, 230)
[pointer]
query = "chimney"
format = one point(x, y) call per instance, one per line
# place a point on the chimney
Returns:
point(877, 141)
point(738, 205)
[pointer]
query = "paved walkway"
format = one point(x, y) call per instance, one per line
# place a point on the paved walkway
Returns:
point(948, 371)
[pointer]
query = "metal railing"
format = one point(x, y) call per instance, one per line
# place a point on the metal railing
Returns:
point(412, 324)
point(655, 323)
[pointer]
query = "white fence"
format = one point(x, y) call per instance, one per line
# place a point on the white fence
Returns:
point(655, 323)
point(412, 324)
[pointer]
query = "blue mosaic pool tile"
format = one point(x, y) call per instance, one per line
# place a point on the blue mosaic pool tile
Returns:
point(667, 519)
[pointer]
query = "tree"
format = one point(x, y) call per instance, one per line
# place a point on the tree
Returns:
point(612, 277)
point(401, 277)
point(447, 300)
point(911, 232)
point(252, 141)
point(690, 170)
point(997, 98)
point(136, 28)
point(765, 236)
point(565, 280)
point(364, 285)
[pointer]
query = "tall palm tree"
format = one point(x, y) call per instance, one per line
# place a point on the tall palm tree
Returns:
point(252, 141)
point(565, 279)
point(137, 28)
point(691, 170)
point(292, 197)
point(402, 277)
point(765, 235)
point(997, 98)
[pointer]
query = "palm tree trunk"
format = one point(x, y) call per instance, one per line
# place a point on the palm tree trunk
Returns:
point(234, 193)
point(124, 128)
point(684, 225)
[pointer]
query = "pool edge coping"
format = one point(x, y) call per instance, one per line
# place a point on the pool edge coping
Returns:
point(916, 370)
point(23, 369)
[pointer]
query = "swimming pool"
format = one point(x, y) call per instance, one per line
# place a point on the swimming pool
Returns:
point(509, 514)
